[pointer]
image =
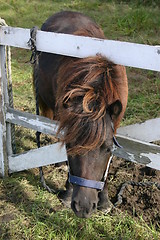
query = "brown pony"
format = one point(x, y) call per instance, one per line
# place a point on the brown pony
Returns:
point(87, 96)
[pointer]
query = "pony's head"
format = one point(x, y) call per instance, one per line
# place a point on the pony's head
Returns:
point(90, 101)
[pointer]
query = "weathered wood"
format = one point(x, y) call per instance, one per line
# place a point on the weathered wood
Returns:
point(38, 157)
point(3, 128)
point(138, 152)
point(129, 54)
point(148, 131)
point(35, 122)
point(3, 153)
point(124, 53)
point(135, 151)
point(6, 98)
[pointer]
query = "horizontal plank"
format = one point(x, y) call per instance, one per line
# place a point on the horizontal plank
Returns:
point(124, 53)
point(138, 152)
point(35, 122)
point(148, 131)
point(43, 156)
point(135, 151)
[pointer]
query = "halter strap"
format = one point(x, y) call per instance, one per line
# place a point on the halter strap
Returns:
point(99, 185)
point(86, 182)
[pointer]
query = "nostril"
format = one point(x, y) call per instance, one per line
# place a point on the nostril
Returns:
point(94, 207)
point(75, 206)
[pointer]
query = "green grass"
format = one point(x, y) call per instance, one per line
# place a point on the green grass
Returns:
point(32, 213)
point(26, 210)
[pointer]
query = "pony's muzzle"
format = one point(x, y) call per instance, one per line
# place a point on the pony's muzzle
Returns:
point(84, 201)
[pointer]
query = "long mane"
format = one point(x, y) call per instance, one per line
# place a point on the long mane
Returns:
point(86, 89)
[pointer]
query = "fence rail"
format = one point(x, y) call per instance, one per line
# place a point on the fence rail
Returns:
point(124, 53)
point(35, 122)
point(136, 148)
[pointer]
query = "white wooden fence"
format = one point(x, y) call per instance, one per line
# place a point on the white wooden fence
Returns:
point(135, 138)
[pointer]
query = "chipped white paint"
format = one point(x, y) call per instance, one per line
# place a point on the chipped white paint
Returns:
point(38, 157)
point(40, 125)
point(10, 116)
point(138, 152)
point(131, 157)
point(5, 128)
point(129, 54)
point(35, 122)
point(1, 151)
point(147, 131)
point(154, 158)
point(121, 136)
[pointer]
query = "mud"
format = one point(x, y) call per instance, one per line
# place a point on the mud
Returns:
point(138, 201)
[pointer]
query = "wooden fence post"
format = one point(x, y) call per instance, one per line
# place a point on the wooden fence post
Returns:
point(5, 128)
point(3, 152)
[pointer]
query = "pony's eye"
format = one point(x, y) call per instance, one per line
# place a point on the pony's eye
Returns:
point(106, 148)
point(109, 149)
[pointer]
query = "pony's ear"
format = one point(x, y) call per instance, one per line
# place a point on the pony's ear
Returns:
point(115, 109)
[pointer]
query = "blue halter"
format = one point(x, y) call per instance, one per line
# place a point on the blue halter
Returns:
point(99, 185)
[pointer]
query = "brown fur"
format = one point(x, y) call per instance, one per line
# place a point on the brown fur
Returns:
point(83, 94)
point(78, 92)
point(86, 89)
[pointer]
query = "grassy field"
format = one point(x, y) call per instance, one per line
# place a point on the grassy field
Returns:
point(26, 210)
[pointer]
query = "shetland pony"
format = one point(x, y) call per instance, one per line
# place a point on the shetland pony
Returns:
point(88, 97)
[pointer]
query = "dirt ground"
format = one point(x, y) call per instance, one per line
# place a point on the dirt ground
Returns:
point(136, 200)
